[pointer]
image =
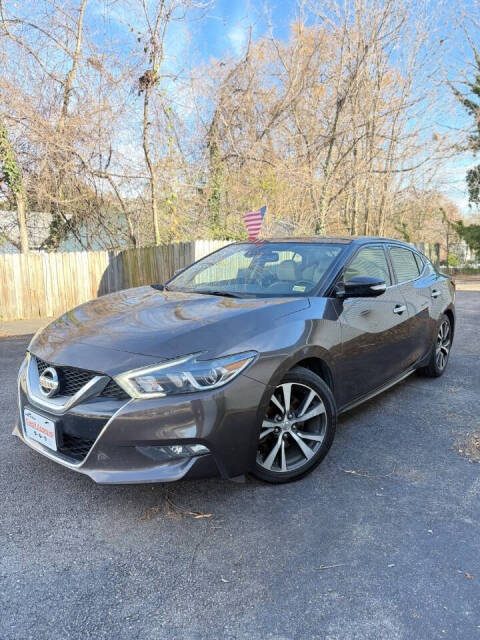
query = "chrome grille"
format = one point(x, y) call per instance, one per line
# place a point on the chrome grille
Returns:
point(72, 379)
point(112, 390)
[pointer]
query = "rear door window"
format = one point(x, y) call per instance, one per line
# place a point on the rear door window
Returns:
point(420, 263)
point(404, 264)
point(369, 261)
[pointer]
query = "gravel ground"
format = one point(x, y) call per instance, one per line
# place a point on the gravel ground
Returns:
point(381, 541)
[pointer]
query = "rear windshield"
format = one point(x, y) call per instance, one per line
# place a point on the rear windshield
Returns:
point(259, 270)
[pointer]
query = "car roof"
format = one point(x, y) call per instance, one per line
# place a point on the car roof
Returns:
point(356, 240)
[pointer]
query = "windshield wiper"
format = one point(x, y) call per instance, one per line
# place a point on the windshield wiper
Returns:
point(225, 294)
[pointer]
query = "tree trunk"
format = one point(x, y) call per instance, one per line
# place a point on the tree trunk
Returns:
point(131, 231)
point(69, 80)
point(22, 223)
point(320, 222)
point(215, 179)
point(151, 169)
point(59, 226)
point(13, 178)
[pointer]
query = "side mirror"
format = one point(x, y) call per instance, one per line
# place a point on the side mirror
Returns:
point(361, 287)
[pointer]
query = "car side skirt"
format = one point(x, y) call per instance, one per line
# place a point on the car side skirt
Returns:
point(376, 392)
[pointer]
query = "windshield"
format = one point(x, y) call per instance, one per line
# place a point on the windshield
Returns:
point(271, 269)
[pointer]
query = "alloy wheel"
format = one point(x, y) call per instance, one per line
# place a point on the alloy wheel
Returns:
point(442, 349)
point(293, 429)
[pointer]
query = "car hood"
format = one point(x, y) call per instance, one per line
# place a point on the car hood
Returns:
point(107, 333)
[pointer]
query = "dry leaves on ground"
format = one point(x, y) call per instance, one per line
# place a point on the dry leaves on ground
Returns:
point(172, 510)
point(469, 446)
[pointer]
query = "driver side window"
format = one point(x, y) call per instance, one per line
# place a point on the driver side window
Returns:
point(369, 261)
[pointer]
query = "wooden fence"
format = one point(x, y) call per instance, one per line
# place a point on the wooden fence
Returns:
point(47, 284)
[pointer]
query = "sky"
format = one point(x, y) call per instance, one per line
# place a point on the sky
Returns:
point(228, 23)
point(225, 28)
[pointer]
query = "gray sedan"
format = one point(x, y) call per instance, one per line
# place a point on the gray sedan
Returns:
point(240, 363)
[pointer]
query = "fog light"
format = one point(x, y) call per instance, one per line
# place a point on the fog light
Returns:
point(176, 449)
point(197, 448)
point(173, 452)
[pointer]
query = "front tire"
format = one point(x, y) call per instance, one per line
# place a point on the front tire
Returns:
point(298, 428)
point(440, 350)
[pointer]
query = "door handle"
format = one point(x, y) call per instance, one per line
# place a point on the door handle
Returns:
point(400, 308)
point(435, 293)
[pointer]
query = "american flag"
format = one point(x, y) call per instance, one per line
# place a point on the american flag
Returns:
point(253, 221)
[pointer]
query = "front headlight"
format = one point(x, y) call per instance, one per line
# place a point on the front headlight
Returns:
point(185, 375)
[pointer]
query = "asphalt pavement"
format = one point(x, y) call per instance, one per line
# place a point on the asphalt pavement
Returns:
point(382, 541)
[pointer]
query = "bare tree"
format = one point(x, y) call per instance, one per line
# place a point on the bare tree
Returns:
point(151, 84)
point(13, 178)
point(122, 142)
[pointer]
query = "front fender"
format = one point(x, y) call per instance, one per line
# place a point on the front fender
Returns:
point(312, 333)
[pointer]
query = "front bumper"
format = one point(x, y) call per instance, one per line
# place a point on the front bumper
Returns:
point(122, 435)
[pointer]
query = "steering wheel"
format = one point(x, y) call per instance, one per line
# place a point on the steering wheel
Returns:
point(267, 279)
point(260, 278)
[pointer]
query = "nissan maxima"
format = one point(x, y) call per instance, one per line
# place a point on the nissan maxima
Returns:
point(239, 364)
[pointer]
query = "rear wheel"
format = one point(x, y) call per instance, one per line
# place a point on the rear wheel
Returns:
point(440, 350)
point(298, 428)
